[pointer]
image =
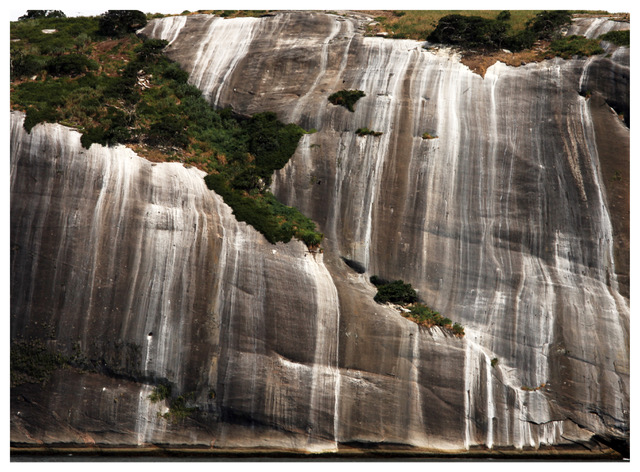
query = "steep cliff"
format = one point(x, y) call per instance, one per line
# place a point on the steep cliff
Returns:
point(503, 222)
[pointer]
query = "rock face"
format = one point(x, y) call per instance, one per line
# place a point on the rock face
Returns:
point(505, 222)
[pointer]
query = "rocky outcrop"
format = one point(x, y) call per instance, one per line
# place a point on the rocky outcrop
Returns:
point(502, 223)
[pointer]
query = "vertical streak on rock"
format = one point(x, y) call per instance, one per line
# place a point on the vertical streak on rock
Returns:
point(325, 379)
point(216, 58)
point(415, 433)
point(24, 152)
point(383, 79)
point(303, 102)
point(169, 28)
point(490, 403)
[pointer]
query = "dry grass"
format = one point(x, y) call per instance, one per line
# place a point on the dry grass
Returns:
point(417, 24)
point(480, 62)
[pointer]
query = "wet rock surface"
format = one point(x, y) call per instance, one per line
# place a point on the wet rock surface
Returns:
point(503, 223)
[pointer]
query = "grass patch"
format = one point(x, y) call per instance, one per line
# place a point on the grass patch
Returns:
point(575, 46)
point(346, 98)
point(123, 90)
point(619, 38)
point(427, 135)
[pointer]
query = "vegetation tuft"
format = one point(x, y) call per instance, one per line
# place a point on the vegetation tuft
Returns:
point(403, 294)
point(367, 132)
point(619, 38)
point(160, 392)
point(346, 98)
point(178, 409)
point(575, 46)
point(394, 292)
point(31, 361)
point(94, 74)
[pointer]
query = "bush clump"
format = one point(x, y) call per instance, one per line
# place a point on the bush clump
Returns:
point(367, 132)
point(619, 38)
point(36, 14)
point(178, 410)
point(424, 314)
point(276, 221)
point(403, 294)
point(70, 65)
point(32, 362)
point(469, 32)
point(491, 34)
point(394, 292)
point(547, 24)
point(160, 392)
point(118, 23)
point(346, 98)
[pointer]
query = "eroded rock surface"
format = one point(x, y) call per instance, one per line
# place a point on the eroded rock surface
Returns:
point(503, 223)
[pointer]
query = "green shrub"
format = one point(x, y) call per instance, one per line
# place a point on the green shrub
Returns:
point(69, 32)
point(276, 222)
point(160, 392)
point(346, 98)
point(367, 132)
point(378, 281)
point(35, 14)
point(32, 362)
point(457, 329)
point(403, 294)
point(491, 34)
point(424, 314)
point(271, 142)
point(150, 48)
point(575, 46)
point(546, 24)
point(504, 15)
point(179, 410)
point(70, 65)
point(520, 40)
point(428, 135)
point(118, 23)
point(175, 73)
point(26, 65)
point(40, 115)
point(469, 32)
point(619, 38)
point(168, 131)
point(396, 292)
